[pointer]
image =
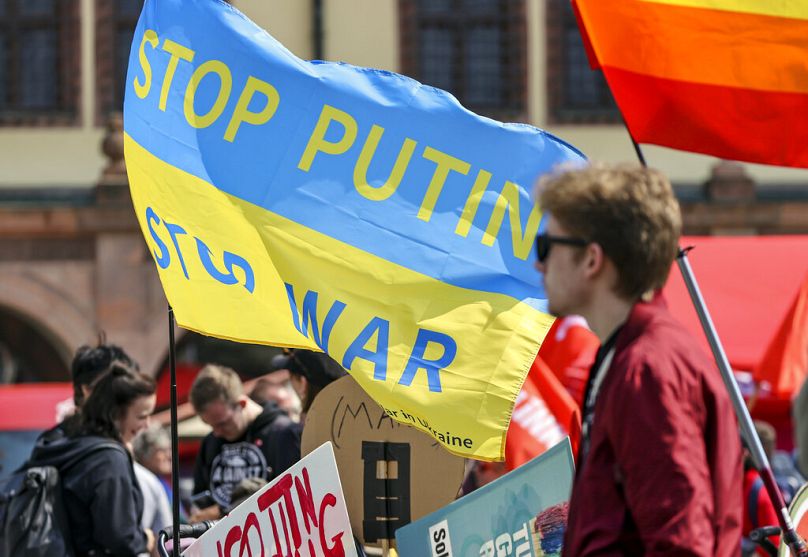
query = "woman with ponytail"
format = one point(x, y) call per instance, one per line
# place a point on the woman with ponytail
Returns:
point(100, 493)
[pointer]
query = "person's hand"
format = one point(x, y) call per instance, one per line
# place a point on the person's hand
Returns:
point(149, 540)
point(208, 513)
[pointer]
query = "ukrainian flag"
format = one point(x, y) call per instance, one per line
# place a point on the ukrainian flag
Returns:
point(343, 209)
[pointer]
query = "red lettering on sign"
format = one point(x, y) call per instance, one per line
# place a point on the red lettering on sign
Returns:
point(250, 522)
point(307, 508)
point(282, 490)
point(232, 538)
point(279, 504)
point(336, 550)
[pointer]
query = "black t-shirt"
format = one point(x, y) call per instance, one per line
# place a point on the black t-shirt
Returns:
point(268, 448)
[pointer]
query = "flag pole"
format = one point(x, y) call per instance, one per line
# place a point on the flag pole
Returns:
point(759, 458)
point(175, 451)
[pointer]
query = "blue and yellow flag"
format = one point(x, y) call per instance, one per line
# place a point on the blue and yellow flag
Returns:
point(343, 209)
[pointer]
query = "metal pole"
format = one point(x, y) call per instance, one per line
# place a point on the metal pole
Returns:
point(175, 449)
point(640, 155)
point(759, 458)
point(748, 432)
point(318, 39)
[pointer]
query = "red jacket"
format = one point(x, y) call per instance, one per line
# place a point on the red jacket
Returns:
point(663, 471)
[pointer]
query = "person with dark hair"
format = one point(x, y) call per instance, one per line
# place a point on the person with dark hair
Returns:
point(89, 364)
point(659, 464)
point(309, 373)
point(100, 493)
point(248, 439)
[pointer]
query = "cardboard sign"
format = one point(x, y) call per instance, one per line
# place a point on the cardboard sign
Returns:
point(300, 513)
point(392, 474)
point(522, 514)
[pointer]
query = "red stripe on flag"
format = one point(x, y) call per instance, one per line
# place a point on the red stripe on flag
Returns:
point(740, 124)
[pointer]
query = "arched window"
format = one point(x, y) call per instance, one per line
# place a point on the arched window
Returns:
point(27, 354)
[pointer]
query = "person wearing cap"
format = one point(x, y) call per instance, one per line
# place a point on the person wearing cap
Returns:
point(248, 440)
point(89, 365)
point(309, 373)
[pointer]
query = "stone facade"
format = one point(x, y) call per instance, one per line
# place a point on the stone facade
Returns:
point(730, 203)
point(77, 268)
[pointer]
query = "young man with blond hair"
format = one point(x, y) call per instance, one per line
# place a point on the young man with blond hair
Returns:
point(659, 467)
point(248, 440)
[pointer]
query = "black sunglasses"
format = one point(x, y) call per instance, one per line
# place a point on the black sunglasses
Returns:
point(545, 241)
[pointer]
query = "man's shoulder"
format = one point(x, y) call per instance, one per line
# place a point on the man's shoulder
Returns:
point(210, 443)
point(271, 420)
point(655, 340)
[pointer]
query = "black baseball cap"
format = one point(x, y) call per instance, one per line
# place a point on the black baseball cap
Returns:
point(317, 367)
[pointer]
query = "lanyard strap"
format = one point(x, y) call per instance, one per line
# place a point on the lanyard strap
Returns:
point(589, 406)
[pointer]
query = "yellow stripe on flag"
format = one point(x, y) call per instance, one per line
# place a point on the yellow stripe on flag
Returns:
point(797, 9)
point(280, 252)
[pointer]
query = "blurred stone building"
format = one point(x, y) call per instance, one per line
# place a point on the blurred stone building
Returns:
point(72, 259)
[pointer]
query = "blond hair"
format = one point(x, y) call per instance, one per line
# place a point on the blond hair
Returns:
point(630, 211)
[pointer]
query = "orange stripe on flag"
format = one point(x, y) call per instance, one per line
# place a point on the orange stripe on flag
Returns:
point(706, 46)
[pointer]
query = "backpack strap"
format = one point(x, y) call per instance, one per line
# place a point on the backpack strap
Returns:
point(752, 502)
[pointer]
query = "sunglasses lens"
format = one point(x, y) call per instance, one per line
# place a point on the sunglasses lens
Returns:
point(542, 247)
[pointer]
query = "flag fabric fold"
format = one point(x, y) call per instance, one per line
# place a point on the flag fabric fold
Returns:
point(785, 364)
point(545, 413)
point(727, 78)
point(343, 209)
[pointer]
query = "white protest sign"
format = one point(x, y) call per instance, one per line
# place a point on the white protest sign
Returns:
point(302, 512)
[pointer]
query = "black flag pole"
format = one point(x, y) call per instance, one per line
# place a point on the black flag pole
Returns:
point(175, 439)
point(759, 458)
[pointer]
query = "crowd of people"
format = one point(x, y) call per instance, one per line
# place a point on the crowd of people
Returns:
point(115, 466)
point(660, 467)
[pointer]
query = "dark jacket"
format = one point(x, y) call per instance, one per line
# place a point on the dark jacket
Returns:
point(663, 473)
point(268, 448)
point(102, 498)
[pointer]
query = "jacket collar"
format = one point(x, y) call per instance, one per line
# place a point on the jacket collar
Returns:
point(641, 315)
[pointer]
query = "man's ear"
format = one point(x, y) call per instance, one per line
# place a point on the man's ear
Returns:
point(594, 259)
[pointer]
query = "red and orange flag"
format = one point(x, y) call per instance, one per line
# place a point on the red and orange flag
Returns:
point(727, 78)
point(785, 364)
